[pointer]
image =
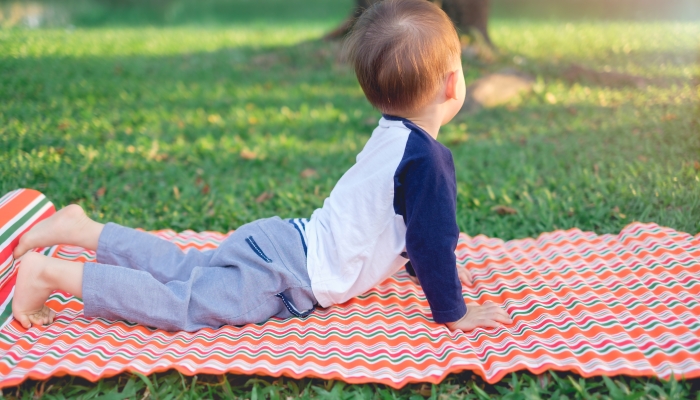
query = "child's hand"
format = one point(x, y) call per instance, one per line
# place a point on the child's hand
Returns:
point(464, 276)
point(487, 316)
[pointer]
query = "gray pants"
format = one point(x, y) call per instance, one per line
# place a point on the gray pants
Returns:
point(256, 273)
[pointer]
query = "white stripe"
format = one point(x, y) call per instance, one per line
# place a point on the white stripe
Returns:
point(9, 196)
point(298, 222)
point(24, 226)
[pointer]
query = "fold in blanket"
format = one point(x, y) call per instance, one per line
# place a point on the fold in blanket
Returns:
point(596, 305)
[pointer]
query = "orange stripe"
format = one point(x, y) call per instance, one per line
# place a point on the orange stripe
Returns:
point(16, 205)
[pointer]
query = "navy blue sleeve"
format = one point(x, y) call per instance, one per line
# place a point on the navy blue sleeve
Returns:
point(425, 194)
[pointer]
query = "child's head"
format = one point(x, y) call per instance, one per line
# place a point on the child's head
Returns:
point(403, 52)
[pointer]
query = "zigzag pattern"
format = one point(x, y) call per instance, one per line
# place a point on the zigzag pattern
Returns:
point(596, 305)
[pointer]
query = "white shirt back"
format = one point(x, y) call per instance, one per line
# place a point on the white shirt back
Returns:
point(356, 239)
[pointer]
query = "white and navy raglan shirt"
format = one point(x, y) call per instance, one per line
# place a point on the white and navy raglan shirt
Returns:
point(397, 203)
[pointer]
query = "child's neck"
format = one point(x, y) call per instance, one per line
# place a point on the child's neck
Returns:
point(429, 118)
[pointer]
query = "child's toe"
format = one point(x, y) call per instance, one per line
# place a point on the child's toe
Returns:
point(36, 319)
point(19, 250)
point(42, 317)
point(24, 320)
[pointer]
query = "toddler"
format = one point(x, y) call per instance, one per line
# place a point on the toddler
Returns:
point(396, 206)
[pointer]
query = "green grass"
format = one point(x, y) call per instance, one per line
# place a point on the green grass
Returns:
point(518, 386)
point(186, 125)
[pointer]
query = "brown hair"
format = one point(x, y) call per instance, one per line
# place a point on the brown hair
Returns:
point(401, 51)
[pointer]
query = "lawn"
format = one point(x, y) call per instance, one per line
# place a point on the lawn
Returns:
point(207, 124)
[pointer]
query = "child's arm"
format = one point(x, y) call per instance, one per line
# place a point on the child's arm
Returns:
point(426, 195)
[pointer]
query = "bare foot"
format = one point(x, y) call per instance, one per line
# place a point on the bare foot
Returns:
point(65, 225)
point(32, 289)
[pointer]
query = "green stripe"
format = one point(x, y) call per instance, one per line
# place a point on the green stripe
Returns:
point(6, 313)
point(378, 334)
point(448, 353)
point(7, 270)
point(598, 270)
point(8, 232)
point(588, 304)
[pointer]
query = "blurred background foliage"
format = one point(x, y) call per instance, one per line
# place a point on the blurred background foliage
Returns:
point(86, 13)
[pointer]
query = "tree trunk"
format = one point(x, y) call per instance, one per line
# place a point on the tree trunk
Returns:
point(345, 26)
point(467, 15)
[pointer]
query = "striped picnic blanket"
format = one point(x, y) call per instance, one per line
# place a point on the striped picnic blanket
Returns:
point(597, 305)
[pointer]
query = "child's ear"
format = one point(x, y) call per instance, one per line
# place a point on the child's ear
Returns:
point(451, 85)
